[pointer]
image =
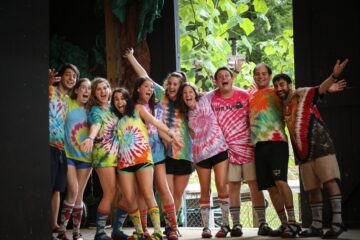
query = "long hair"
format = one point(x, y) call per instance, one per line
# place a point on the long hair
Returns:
point(183, 107)
point(73, 94)
point(93, 101)
point(129, 108)
point(135, 94)
point(181, 76)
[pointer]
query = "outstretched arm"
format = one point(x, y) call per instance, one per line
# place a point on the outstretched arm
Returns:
point(139, 70)
point(338, 68)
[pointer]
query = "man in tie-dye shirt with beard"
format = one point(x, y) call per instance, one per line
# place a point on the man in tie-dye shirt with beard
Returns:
point(60, 84)
point(231, 107)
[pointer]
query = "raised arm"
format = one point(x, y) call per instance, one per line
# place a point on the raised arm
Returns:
point(338, 68)
point(53, 77)
point(87, 145)
point(139, 70)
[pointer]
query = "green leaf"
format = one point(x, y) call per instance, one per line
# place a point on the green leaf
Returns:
point(269, 50)
point(260, 6)
point(242, 8)
point(247, 25)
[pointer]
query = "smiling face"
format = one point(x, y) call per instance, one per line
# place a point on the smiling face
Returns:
point(224, 81)
point(189, 97)
point(282, 89)
point(262, 76)
point(83, 92)
point(146, 90)
point(68, 79)
point(120, 102)
point(172, 87)
point(102, 93)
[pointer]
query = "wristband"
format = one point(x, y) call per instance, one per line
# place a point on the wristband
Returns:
point(90, 138)
point(336, 78)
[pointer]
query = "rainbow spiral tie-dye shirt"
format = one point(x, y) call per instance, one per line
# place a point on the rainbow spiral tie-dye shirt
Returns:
point(76, 131)
point(106, 143)
point(57, 115)
point(134, 142)
point(173, 118)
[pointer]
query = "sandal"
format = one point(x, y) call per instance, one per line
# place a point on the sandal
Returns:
point(223, 232)
point(206, 233)
point(311, 232)
point(335, 231)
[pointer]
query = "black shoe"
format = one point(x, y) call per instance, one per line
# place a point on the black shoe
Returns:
point(264, 229)
point(277, 232)
point(332, 233)
point(311, 232)
point(236, 231)
point(291, 231)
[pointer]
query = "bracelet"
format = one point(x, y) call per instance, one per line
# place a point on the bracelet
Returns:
point(90, 138)
point(333, 77)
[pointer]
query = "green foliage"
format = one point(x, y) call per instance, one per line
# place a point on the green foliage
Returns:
point(262, 29)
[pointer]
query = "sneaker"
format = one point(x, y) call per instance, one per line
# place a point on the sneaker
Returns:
point(146, 233)
point(120, 235)
point(291, 231)
point(236, 231)
point(62, 236)
point(77, 236)
point(264, 229)
point(155, 236)
point(277, 232)
point(102, 236)
point(311, 232)
point(206, 233)
point(136, 236)
point(222, 232)
point(332, 233)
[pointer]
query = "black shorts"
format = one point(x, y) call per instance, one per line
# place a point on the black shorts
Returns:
point(178, 166)
point(212, 161)
point(58, 169)
point(271, 162)
point(135, 168)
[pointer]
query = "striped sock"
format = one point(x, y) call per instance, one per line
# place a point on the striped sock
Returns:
point(135, 219)
point(316, 211)
point(120, 216)
point(66, 211)
point(260, 212)
point(336, 210)
point(224, 205)
point(171, 215)
point(291, 214)
point(205, 213)
point(282, 216)
point(76, 217)
point(235, 214)
point(155, 219)
point(101, 217)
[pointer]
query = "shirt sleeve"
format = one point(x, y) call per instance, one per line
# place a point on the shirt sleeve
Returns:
point(94, 116)
point(159, 91)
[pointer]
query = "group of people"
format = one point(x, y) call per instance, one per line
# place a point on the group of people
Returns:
point(157, 136)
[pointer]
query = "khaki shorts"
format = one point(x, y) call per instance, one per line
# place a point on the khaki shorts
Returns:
point(315, 173)
point(242, 172)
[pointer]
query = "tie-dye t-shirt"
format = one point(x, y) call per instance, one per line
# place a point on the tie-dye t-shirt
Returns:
point(76, 131)
point(233, 117)
point(309, 135)
point(106, 143)
point(173, 118)
point(134, 142)
point(266, 121)
point(156, 144)
point(57, 114)
point(208, 139)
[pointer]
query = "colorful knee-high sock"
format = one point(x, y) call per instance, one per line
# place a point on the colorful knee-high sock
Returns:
point(224, 205)
point(260, 212)
point(101, 217)
point(316, 211)
point(143, 217)
point(76, 217)
point(171, 215)
point(235, 214)
point(135, 219)
point(205, 213)
point(155, 219)
point(66, 211)
point(120, 216)
point(336, 211)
